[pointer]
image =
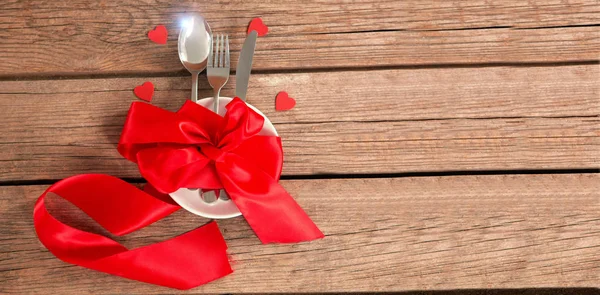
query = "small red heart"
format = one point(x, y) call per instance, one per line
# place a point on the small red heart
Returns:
point(158, 35)
point(144, 91)
point(257, 25)
point(284, 102)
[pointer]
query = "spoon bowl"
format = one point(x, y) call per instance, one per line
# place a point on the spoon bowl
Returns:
point(193, 46)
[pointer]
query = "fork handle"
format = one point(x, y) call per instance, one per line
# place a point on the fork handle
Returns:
point(216, 101)
point(195, 87)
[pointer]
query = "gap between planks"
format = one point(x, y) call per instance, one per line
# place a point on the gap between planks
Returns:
point(355, 176)
point(185, 73)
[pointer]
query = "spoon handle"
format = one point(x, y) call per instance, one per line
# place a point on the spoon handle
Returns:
point(195, 87)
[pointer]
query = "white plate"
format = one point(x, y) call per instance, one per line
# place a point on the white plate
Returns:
point(190, 199)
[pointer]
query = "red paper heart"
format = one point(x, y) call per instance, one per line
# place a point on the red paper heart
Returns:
point(144, 91)
point(284, 102)
point(257, 25)
point(158, 35)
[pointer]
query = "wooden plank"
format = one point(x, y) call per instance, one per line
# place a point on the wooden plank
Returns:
point(386, 121)
point(341, 148)
point(396, 234)
point(90, 37)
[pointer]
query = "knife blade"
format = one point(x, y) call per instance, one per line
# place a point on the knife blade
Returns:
point(244, 66)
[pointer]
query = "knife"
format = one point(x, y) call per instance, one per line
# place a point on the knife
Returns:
point(244, 66)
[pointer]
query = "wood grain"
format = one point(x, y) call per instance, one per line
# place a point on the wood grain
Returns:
point(103, 37)
point(385, 121)
point(395, 234)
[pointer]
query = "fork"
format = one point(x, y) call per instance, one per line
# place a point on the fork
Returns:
point(217, 71)
point(218, 68)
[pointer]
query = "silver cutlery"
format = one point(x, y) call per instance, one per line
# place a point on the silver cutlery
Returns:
point(194, 46)
point(244, 66)
point(218, 74)
point(242, 76)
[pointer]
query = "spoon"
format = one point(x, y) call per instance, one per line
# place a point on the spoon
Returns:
point(193, 47)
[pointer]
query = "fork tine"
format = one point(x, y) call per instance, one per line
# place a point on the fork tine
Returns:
point(210, 52)
point(221, 48)
point(227, 51)
point(216, 52)
point(216, 64)
point(222, 52)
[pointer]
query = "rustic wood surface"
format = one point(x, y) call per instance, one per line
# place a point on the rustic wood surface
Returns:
point(387, 121)
point(96, 37)
point(514, 231)
point(390, 95)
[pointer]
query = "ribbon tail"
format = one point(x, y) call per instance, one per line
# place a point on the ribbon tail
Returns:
point(272, 213)
point(183, 262)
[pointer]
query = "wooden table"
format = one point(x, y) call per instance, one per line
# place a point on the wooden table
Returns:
point(438, 144)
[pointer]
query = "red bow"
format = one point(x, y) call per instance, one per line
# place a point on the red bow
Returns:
point(196, 148)
point(192, 148)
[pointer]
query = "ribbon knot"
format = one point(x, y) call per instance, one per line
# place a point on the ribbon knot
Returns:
point(213, 153)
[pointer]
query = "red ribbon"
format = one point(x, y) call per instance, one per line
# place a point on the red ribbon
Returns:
point(192, 148)
point(186, 261)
